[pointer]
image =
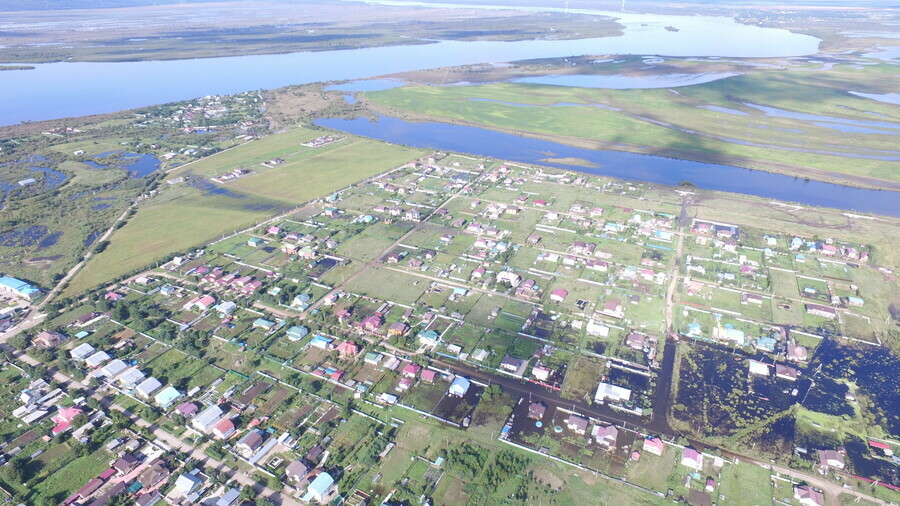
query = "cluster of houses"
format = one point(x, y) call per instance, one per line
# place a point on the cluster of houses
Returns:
point(232, 282)
point(40, 401)
point(828, 249)
point(230, 176)
point(127, 378)
point(141, 473)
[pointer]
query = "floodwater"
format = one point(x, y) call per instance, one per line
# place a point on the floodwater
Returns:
point(802, 116)
point(136, 164)
point(624, 165)
point(55, 90)
point(888, 98)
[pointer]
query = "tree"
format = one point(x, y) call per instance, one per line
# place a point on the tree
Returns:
point(15, 471)
point(274, 483)
point(18, 342)
point(247, 494)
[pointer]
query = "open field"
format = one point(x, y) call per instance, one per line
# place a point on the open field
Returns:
point(185, 216)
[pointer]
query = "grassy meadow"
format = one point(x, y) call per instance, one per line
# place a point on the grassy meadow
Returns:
point(676, 122)
point(186, 216)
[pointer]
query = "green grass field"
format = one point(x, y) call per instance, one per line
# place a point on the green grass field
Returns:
point(185, 217)
point(694, 132)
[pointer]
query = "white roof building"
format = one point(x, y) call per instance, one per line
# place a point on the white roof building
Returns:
point(207, 419)
point(460, 386)
point(187, 483)
point(147, 387)
point(612, 392)
point(97, 359)
point(131, 377)
point(113, 369)
point(759, 368)
point(82, 351)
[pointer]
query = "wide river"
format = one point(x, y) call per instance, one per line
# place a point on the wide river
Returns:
point(58, 90)
point(620, 164)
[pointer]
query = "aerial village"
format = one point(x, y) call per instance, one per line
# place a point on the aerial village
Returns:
point(290, 360)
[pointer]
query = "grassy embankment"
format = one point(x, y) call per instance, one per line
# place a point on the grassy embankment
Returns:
point(783, 145)
point(186, 216)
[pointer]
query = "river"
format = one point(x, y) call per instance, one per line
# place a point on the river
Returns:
point(66, 89)
point(620, 164)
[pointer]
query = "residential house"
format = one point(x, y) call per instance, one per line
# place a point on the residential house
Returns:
point(262, 323)
point(751, 298)
point(831, 459)
point(64, 418)
point(165, 398)
point(411, 370)
point(322, 489)
point(125, 464)
point(692, 458)
point(759, 368)
point(297, 332)
point(820, 310)
point(230, 498)
point(429, 337)
point(251, 442)
point(577, 424)
point(207, 419)
point(224, 429)
point(511, 364)
point(537, 410)
point(153, 474)
point(348, 349)
point(146, 388)
point(46, 339)
point(373, 322)
point(459, 387)
point(405, 384)
point(558, 295)
point(808, 496)
point(321, 342)
point(605, 436)
point(296, 472)
point(796, 353)
point(82, 351)
point(613, 308)
point(654, 445)
point(612, 392)
point(541, 373)
point(398, 329)
point(186, 484)
point(786, 372)
point(636, 340)
point(765, 343)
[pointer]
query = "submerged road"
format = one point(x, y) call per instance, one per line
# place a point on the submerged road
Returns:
point(656, 424)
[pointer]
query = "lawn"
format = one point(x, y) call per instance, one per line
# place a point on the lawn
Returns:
point(747, 483)
point(71, 477)
point(655, 472)
point(324, 170)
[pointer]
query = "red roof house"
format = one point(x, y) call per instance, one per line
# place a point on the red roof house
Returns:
point(411, 370)
point(63, 419)
point(348, 349)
